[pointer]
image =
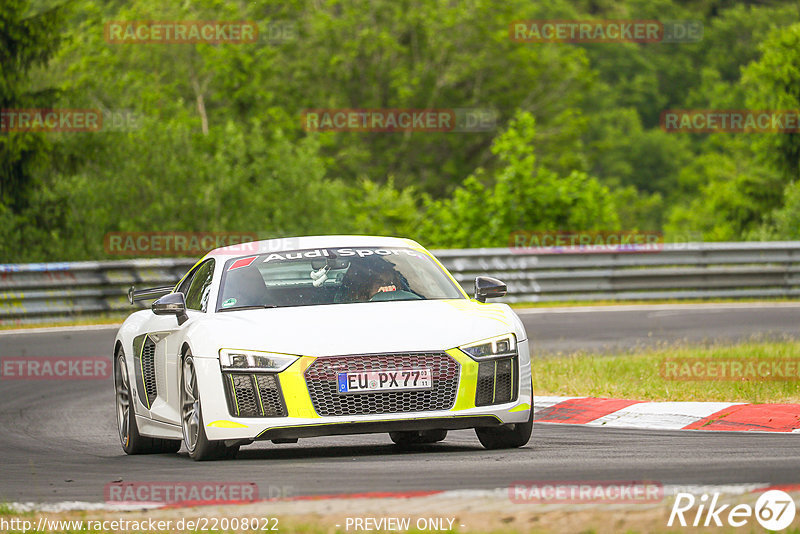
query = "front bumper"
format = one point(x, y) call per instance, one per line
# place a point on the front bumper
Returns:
point(302, 420)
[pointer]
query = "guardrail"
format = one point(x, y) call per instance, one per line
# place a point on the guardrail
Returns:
point(40, 291)
point(35, 292)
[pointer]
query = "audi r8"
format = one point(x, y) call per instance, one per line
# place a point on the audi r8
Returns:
point(320, 336)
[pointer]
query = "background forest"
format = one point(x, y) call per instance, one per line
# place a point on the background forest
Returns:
point(213, 139)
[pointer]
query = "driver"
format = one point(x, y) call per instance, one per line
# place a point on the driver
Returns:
point(368, 277)
point(383, 282)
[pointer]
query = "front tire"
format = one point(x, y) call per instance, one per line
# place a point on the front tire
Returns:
point(194, 434)
point(510, 436)
point(133, 442)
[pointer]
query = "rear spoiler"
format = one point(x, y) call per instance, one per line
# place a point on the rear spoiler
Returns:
point(144, 294)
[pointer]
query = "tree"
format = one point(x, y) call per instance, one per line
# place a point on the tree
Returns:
point(774, 84)
point(519, 195)
point(27, 40)
point(734, 200)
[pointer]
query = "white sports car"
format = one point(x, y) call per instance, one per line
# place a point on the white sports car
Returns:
point(317, 336)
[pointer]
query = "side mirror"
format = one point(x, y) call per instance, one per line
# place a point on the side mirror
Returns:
point(172, 304)
point(487, 287)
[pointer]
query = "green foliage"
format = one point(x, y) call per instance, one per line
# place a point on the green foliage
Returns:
point(219, 144)
point(237, 178)
point(520, 196)
point(637, 210)
point(625, 153)
point(27, 40)
point(784, 222)
point(735, 198)
point(741, 181)
point(381, 209)
point(774, 84)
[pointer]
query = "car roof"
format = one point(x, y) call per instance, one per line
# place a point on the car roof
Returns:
point(310, 242)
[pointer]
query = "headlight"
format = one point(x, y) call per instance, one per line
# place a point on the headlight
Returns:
point(252, 360)
point(496, 347)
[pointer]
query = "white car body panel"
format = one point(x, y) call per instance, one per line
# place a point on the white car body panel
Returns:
point(364, 328)
point(310, 331)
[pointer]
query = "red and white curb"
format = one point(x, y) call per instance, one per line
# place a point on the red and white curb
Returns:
point(620, 413)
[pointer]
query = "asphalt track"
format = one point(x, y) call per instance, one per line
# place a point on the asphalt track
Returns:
point(58, 438)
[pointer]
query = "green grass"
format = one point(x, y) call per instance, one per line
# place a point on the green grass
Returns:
point(638, 375)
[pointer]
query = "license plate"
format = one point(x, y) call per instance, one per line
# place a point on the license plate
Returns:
point(397, 380)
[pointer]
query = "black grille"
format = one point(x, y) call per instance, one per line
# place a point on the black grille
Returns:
point(504, 383)
point(149, 370)
point(254, 395)
point(271, 396)
point(497, 382)
point(485, 388)
point(321, 380)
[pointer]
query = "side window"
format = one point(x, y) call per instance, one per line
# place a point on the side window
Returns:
point(184, 287)
point(200, 287)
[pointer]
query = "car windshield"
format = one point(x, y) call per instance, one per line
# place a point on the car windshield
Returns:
point(332, 276)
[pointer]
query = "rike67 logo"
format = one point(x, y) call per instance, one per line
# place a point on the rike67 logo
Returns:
point(774, 510)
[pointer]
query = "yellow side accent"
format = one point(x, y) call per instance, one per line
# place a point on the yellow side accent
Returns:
point(295, 392)
point(226, 424)
point(469, 380)
point(141, 366)
point(520, 408)
point(198, 262)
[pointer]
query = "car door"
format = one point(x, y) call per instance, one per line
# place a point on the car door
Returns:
point(157, 352)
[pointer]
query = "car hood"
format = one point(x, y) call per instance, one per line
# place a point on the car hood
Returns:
point(362, 328)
